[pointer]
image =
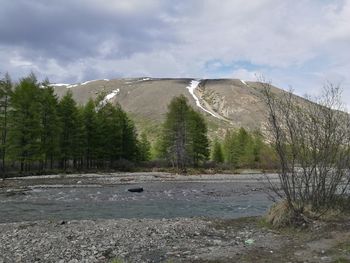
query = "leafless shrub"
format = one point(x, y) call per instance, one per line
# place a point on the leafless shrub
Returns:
point(312, 140)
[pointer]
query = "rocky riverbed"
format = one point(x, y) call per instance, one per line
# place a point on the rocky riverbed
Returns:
point(172, 239)
point(133, 240)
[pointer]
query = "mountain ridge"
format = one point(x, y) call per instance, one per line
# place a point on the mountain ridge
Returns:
point(225, 103)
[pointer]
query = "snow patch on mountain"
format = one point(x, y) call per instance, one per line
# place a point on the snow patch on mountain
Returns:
point(191, 88)
point(68, 86)
point(138, 80)
point(109, 97)
point(59, 84)
point(89, 81)
point(245, 83)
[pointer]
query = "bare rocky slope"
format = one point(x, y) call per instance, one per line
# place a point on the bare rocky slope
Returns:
point(225, 103)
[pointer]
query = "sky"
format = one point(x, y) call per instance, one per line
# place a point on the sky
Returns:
point(295, 44)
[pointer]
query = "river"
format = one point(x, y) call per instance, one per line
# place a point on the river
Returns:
point(160, 199)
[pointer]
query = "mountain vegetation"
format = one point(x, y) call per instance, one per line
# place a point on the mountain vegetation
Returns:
point(42, 132)
point(312, 142)
point(184, 140)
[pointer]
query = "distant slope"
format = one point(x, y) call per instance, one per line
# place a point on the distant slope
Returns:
point(225, 103)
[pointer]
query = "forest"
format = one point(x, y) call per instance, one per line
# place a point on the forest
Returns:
point(42, 133)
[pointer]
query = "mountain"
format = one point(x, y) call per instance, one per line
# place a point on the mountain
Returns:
point(225, 103)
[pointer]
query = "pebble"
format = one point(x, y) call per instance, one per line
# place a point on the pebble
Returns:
point(134, 240)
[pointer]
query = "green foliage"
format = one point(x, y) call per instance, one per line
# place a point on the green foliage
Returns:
point(50, 125)
point(184, 140)
point(217, 154)
point(25, 122)
point(5, 95)
point(243, 149)
point(144, 148)
point(91, 135)
point(44, 132)
point(70, 124)
point(198, 148)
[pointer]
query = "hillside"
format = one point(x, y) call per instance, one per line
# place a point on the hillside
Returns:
point(225, 103)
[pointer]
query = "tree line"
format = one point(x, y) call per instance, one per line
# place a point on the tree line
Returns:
point(40, 131)
point(184, 141)
point(244, 149)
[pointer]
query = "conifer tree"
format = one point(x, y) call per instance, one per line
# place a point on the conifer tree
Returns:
point(110, 134)
point(175, 141)
point(79, 140)
point(68, 115)
point(230, 148)
point(184, 139)
point(25, 122)
point(129, 136)
point(198, 139)
point(5, 94)
point(91, 133)
point(216, 153)
point(50, 125)
point(144, 148)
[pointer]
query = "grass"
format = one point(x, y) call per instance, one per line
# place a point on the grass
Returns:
point(117, 260)
point(280, 215)
point(341, 260)
point(342, 248)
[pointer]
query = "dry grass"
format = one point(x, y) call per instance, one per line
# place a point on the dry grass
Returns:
point(280, 215)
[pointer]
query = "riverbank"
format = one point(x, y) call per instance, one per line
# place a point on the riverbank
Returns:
point(136, 230)
point(172, 240)
point(106, 179)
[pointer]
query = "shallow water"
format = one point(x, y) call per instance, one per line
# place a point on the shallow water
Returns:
point(159, 200)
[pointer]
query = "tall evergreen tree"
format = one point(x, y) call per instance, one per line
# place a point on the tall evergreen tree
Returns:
point(230, 146)
point(110, 134)
point(69, 116)
point(184, 139)
point(216, 152)
point(50, 125)
point(175, 141)
point(5, 94)
point(91, 133)
point(144, 148)
point(198, 139)
point(25, 122)
point(129, 136)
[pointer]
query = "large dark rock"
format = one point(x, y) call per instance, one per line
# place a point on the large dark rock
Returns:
point(136, 190)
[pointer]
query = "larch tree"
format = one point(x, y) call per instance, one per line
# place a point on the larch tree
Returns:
point(198, 148)
point(91, 133)
point(110, 135)
point(68, 115)
point(144, 148)
point(216, 152)
point(50, 125)
point(25, 122)
point(5, 95)
point(184, 139)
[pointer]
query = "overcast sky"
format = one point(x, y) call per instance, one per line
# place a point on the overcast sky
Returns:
point(301, 43)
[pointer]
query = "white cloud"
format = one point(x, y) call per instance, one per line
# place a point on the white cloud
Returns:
point(123, 6)
point(245, 74)
point(298, 43)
